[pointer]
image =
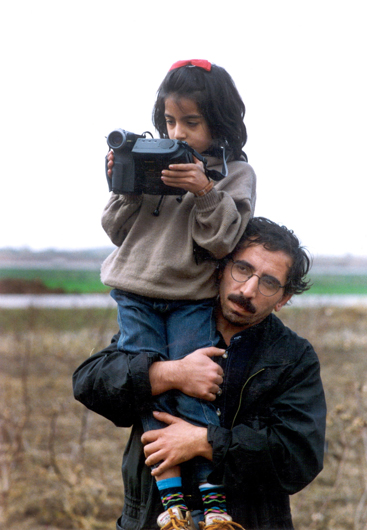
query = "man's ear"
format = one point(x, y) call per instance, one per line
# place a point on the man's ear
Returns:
point(282, 302)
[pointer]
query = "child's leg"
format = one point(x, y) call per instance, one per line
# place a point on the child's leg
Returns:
point(212, 495)
point(189, 327)
point(143, 329)
point(172, 329)
point(214, 499)
point(170, 490)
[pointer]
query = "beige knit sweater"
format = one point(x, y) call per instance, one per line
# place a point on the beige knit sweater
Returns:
point(154, 255)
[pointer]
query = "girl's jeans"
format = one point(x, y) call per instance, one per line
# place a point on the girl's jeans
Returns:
point(172, 328)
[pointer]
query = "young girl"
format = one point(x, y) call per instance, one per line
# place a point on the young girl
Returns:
point(163, 269)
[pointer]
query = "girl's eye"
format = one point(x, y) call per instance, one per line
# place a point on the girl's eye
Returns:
point(192, 123)
point(169, 122)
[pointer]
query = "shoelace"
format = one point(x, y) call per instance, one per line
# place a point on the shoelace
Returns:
point(223, 525)
point(175, 522)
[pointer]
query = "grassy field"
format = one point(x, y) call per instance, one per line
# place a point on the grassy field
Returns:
point(71, 281)
point(60, 464)
point(338, 284)
point(88, 281)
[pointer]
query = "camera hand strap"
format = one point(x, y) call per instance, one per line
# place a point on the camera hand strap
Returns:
point(211, 173)
point(214, 174)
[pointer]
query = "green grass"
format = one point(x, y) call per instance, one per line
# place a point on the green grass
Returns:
point(88, 281)
point(338, 284)
point(72, 281)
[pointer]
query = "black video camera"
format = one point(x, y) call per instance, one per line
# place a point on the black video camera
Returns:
point(139, 162)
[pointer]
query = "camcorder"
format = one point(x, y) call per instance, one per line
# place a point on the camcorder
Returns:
point(139, 162)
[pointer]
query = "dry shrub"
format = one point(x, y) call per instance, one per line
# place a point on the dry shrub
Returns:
point(337, 498)
point(60, 464)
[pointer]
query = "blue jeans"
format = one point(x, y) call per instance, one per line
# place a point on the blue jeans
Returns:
point(173, 329)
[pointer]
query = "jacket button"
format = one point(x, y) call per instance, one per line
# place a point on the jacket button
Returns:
point(219, 393)
point(225, 355)
point(218, 412)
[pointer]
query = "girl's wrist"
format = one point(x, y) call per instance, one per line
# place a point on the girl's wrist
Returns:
point(205, 190)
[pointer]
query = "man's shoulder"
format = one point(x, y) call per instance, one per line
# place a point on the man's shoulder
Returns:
point(282, 343)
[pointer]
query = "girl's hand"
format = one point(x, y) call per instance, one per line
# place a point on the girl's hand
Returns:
point(110, 162)
point(190, 177)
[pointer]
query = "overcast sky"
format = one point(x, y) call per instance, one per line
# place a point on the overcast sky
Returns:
point(74, 70)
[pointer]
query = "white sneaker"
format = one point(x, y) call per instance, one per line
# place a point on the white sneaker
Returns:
point(173, 519)
point(219, 521)
point(211, 517)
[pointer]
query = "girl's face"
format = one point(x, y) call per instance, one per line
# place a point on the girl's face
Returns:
point(185, 122)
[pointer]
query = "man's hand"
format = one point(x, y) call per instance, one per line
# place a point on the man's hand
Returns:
point(179, 442)
point(195, 375)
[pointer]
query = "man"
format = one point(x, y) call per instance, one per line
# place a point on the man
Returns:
point(266, 387)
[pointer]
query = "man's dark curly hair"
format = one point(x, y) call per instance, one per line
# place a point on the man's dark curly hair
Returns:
point(262, 231)
point(217, 98)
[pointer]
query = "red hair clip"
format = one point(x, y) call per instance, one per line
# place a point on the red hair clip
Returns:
point(201, 63)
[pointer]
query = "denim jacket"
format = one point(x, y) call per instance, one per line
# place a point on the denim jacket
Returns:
point(271, 440)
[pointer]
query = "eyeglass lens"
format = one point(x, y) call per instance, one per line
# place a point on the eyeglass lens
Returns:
point(267, 285)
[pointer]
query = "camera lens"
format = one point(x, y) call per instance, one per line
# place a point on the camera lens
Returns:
point(116, 139)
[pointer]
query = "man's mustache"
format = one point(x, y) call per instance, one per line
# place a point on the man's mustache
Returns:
point(243, 302)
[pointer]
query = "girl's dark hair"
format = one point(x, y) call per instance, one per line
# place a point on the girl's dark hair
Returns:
point(262, 231)
point(217, 98)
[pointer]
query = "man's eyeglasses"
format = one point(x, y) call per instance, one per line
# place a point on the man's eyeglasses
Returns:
point(267, 285)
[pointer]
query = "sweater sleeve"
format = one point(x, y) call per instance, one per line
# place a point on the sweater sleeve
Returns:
point(220, 217)
point(286, 448)
point(114, 384)
point(119, 216)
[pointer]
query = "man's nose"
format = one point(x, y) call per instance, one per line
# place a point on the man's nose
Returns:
point(249, 289)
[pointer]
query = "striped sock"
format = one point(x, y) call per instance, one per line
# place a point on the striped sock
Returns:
point(170, 490)
point(214, 498)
